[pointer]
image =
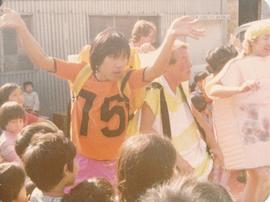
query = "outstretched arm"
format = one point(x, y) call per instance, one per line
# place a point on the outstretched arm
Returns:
point(183, 26)
point(220, 91)
point(11, 19)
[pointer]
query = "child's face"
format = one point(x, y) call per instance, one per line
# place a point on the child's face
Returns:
point(17, 96)
point(261, 46)
point(29, 88)
point(15, 126)
point(22, 196)
point(112, 68)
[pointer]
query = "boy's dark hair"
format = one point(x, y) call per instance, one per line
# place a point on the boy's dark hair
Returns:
point(92, 190)
point(12, 179)
point(26, 83)
point(10, 111)
point(144, 161)
point(108, 43)
point(6, 90)
point(29, 131)
point(142, 28)
point(210, 192)
point(218, 57)
point(198, 101)
point(45, 157)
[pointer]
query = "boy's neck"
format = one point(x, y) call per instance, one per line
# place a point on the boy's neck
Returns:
point(57, 191)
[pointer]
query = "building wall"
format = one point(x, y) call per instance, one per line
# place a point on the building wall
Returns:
point(62, 26)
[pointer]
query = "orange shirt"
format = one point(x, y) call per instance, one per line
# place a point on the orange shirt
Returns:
point(99, 114)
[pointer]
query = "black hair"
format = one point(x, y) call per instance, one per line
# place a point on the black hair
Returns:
point(12, 178)
point(6, 90)
point(45, 158)
point(218, 57)
point(198, 101)
point(108, 43)
point(9, 111)
point(200, 76)
point(92, 190)
point(29, 131)
point(27, 83)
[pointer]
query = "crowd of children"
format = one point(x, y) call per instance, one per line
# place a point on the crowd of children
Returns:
point(176, 158)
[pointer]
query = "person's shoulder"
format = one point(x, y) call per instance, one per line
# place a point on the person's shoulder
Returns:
point(35, 93)
point(3, 139)
point(36, 196)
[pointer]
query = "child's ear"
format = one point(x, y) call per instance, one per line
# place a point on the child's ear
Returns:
point(66, 170)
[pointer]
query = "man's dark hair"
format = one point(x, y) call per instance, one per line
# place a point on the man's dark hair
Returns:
point(45, 157)
point(108, 43)
point(10, 111)
point(12, 179)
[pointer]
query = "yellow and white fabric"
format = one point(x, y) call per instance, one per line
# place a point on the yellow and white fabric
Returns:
point(185, 134)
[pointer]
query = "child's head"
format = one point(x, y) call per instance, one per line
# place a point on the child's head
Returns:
point(210, 192)
point(49, 160)
point(256, 39)
point(28, 86)
point(143, 32)
point(186, 190)
point(11, 92)
point(217, 58)
point(109, 55)
point(25, 136)
point(144, 161)
point(12, 187)
point(92, 190)
point(11, 117)
point(176, 190)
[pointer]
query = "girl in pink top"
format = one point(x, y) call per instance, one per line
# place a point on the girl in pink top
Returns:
point(11, 122)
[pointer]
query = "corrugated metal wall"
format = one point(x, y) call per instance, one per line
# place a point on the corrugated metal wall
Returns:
point(62, 28)
point(53, 92)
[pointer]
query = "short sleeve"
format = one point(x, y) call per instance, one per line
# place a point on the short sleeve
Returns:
point(136, 79)
point(67, 70)
point(152, 98)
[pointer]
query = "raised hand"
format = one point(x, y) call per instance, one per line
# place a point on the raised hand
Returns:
point(250, 85)
point(186, 26)
point(10, 19)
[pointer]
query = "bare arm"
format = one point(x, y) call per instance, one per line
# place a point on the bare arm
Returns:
point(209, 135)
point(147, 119)
point(183, 26)
point(12, 19)
point(220, 91)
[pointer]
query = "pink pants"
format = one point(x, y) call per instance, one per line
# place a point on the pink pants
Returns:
point(94, 168)
point(89, 168)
